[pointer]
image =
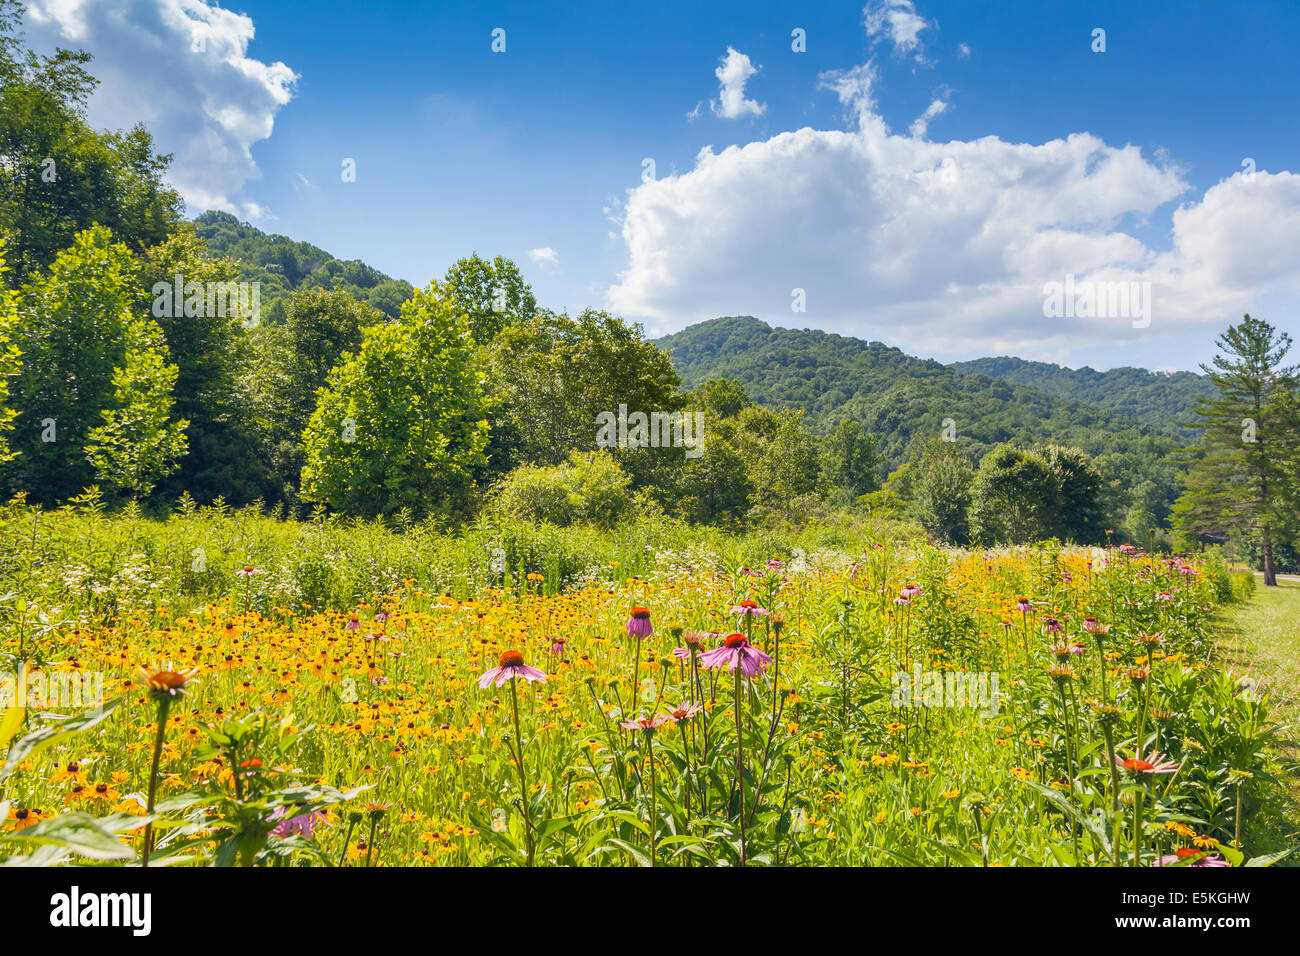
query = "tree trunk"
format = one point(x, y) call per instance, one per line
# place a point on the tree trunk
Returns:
point(1270, 578)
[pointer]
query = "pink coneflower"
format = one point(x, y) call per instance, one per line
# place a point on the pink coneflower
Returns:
point(902, 600)
point(354, 623)
point(382, 616)
point(694, 640)
point(303, 825)
point(557, 646)
point(736, 649)
point(1165, 596)
point(1053, 625)
point(1198, 858)
point(748, 607)
point(1157, 763)
point(638, 625)
point(910, 591)
point(1023, 606)
point(509, 666)
point(645, 723)
point(1005, 624)
point(1063, 651)
point(247, 571)
point(1091, 625)
point(775, 565)
point(682, 712)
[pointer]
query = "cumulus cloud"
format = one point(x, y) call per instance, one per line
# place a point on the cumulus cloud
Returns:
point(733, 74)
point(947, 248)
point(544, 256)
point(897, 22)
point(182, 68)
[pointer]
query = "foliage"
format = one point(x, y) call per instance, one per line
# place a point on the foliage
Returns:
point(588, 489)
point(400, 425)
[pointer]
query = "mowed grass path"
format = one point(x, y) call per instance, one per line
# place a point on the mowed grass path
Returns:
point(1261, 639)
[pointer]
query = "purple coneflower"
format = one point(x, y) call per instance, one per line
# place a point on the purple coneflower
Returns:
point(747, 607)
point(303, 825)
point(736, 649)
point(638, 625)
point(1157, 763)
point(682, 712)
point(509, 666)
point(1198, 858)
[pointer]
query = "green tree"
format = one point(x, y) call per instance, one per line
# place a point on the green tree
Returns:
point(85, 350)
point(138, 443)
point(1012, 497)
point(317, 330)
point(211, 353)
point(941, 492)
point(401, 424)
point(551, 375)
point(1243, 482)
point(780, 457)
point(10, 360)
point(1076, 505)
point(851, 459)
point(492, 294)
point(720, 397)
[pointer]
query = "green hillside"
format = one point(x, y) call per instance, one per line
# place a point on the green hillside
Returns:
point(282, 265)
point(903, 400)
point(1163, 400)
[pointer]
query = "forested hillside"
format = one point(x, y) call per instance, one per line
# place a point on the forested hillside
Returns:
point(1154, 398)
point(904, 401)
point(282, 265)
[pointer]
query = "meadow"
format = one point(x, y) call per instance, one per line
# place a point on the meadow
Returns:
point(342, 693)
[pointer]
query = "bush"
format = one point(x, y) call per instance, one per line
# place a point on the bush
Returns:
point(589, 489)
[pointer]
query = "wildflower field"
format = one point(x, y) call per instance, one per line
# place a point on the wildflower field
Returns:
point(882, 703)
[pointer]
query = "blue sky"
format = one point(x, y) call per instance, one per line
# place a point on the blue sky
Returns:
point(539, 148)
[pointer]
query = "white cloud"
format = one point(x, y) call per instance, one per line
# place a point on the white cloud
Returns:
point(733, 74)
point(945, 248)
point(207, 107)
point(897, 22)
point(544, 256)
point(921, 125)
point(963, 50)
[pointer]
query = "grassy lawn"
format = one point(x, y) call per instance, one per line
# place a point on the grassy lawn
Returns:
point(1262, 639)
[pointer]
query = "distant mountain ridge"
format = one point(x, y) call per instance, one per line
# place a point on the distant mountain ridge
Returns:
point(1155, 398)
point(902, 399)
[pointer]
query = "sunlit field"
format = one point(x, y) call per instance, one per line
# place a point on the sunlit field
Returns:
point(883, 703)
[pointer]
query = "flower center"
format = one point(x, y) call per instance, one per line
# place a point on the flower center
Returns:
point(735, 640)
point(1138, 766)
point(167, 680)
point(511, 659)
point(640, 612)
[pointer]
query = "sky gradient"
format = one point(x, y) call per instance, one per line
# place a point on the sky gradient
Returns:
point(920, 170)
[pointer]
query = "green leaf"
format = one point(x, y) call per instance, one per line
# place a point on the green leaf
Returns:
point(34, 743)
point(80, 833)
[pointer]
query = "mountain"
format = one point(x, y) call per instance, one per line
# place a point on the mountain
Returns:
point(282, 265)
point(1150, 397)
point(904, 400)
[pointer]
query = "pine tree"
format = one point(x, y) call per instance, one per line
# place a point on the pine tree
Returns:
point(1245, 480)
